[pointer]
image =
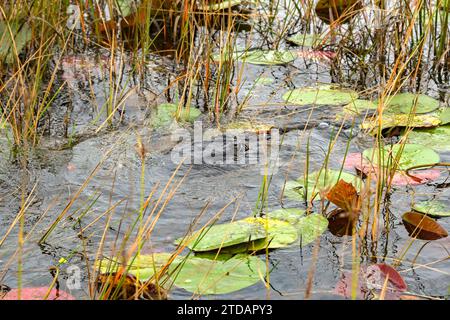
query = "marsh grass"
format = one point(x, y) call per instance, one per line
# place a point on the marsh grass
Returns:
point(402, 46)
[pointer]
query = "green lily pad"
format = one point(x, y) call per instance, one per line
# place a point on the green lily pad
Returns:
point(204, 276)
point(310, 228)
point(412, 155)
point(444, 116)
point(264, 81)
point(166, 114)
point(22, 34)
point(291, 215)
point(224, 235)
point(279, 234)
point(437, 138)
point(308, 40)
point(268, 57)
point(406, 103)
point(125, 7)
point(432, 208)
point(401, 120)
point(225, 55)
point(316, 182)
point(322, 95)
point(359, 106)
point(143, 266)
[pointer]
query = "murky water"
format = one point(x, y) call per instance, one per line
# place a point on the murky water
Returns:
point(56, 171)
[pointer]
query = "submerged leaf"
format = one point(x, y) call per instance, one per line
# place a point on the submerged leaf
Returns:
point(423, 227)
point(322, 95)
point(204, 276)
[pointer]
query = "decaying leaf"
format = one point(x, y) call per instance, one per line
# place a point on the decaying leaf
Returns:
point(125, 287)
point(423, 227)
point(345, 196)
point(340, 223)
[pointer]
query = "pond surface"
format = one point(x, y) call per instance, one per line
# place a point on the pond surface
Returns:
point(71, 149)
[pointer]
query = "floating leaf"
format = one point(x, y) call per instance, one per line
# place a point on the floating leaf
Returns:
point(345, 196)
point(310, 228)
point(322, 95)
point(444, 116)
point(291, 215)
point(341, 223)
point(21, 33)
point(166, 114)
point(432, 208)
point(423, 227)
point(225, 235)
point(401, 120)
point(316, 183)
point(142, 266)
point(359, 106)
point(341, 10)
point(435, 138)
point(308, 40)
point(37, 293)
point(405, 156)
point(410, 103)
point(204, 276)
point(221, 5)
point(400, 178)
point(269, 57)
point(278, 234)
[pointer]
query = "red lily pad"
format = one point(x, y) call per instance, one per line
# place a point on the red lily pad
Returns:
point(400, 178)
point(37, 293)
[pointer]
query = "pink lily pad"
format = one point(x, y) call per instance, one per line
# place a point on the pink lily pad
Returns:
point(37, 293)
point(400, 178)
